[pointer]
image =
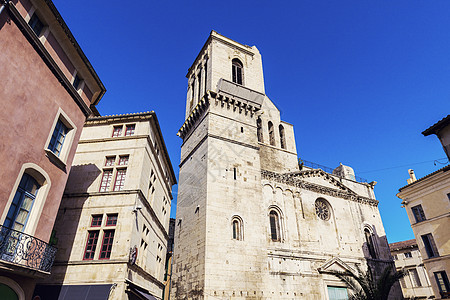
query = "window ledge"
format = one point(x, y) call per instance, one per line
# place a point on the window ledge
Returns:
point(55, 159)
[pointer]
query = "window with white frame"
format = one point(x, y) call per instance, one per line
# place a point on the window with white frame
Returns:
point(114, 167)
point(123, 130)
point(60, 139)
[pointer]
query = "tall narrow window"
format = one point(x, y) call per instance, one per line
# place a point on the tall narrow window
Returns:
point(282, 137)
point(237, 71)
point(129, 130)
point(20, 208)
point(274, 226)
point(106, 180)
point(91, 244)
point(237, 228)
point(76, 82)
point(206, 75)
point(120, 179)
point(430, 246)
point(194, 85)
point(259, 132)
point(199, 96)
point(108, 238)
point(369, 242)
point(271, 134)
point(419, 215)
point(442, 282)
point(58, 137)
point(414, 276)
point(36, 24)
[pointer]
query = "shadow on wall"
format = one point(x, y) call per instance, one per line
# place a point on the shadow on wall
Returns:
point(378, 258)
point(81, 177)
point(67, 221)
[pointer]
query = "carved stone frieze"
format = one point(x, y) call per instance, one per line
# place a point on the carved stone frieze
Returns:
point(292, 179)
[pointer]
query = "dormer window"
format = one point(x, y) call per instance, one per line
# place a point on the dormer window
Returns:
point(36, 24)
point(237, 71)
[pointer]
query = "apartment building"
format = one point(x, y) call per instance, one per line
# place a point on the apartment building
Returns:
point(427, 203)
point(48, 90)
point(407, 257)
point(112, 225)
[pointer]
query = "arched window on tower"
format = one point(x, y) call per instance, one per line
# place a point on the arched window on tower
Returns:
point(259, 130)
point(271, 134)
point(370, 244)
point(237, 67)
point(282, 137)
point(238, 232)
point(274, 219)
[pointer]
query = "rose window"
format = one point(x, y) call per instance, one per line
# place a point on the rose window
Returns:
point(322, 210)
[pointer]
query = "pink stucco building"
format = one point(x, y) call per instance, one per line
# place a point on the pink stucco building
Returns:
point(48, 90)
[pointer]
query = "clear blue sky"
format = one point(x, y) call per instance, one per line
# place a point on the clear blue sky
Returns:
point(360, 80)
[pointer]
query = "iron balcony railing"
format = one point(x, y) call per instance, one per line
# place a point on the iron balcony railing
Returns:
point(313, 165)
point(22, 249)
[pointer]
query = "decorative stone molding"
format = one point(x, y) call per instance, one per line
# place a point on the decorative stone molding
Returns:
point(238, 105)
point(294, 179)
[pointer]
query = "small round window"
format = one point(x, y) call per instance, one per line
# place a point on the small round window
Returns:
point(322, 209)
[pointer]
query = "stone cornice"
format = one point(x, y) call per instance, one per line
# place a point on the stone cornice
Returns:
point(101, 120)
point(293, 180)
point(195, 115)
point(238, 105)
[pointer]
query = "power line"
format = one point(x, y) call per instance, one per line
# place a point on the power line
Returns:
point(408, 165)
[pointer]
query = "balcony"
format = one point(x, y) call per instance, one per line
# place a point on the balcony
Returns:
point(24, 250)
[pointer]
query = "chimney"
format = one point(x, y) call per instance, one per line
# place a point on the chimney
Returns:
point(412, 176)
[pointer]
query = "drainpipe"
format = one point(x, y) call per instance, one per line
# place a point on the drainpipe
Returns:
point(4, 3)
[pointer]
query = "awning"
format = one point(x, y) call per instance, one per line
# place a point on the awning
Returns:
point(139, 291)
point(73, 292)
point(144, 294)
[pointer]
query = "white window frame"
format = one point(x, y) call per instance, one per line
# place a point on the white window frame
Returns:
point(61, 160)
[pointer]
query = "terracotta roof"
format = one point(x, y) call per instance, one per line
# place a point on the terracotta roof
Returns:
point(444, 169)
point(438, 126)
point(118, 116)
point(403, 245)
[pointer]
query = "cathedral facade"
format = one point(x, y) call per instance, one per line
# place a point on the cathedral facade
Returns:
point(251, 223)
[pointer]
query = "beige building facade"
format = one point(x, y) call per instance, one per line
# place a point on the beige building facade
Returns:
point(251, 223)
point(407, 257)
point(112, 225)
point(427, 203)
point(48, 90)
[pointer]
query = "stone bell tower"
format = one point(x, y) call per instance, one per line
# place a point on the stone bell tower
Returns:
point(217, 249)
point(250, 224)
